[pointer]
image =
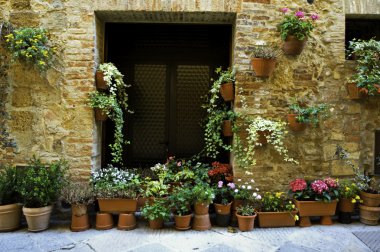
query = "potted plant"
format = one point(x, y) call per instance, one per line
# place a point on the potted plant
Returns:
point(180, 202)
point(203, 196)
point(246, 215)
point(116, 190)
point(39, 186)
point(366, 79)
point(301, 115)
point(263, 60)
point(220, 171)
point(227, 127)
point(295, 29)
point(223, 201)
point(225, 82)
point(348, 197)
point(79, 195)
point(315, 198)
point(10, 208)
point(155, 189)
point(276, 210)
point(156, 213)
point(108, 76)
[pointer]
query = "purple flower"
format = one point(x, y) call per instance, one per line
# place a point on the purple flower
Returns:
point(314, 16)
point(300, 14)
point(284, 10)
point(220, 184)
point(231, 185)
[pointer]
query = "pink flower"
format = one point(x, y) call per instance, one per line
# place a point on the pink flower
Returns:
point(220, 184)
point(284, 10)
point(298, 185)
point(179, 163)
point(319, 186)
point(231, 185)
point(314, 16)
point(300, 14)
point(330, 182)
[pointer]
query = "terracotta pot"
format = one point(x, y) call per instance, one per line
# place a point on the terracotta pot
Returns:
point(315, 208)
point(118, 205)
point(79, 223)
point(182, 222)
point(370, 199)
point(100, 115)
point(263, 136)
point(369, 215)
point(227, 91)
point(223, 209)
point(293, 46)
point(201, 208)
point(277, 219)
point(79, 209)
point(37, 218)
point(246, 223)
point(227, 128)
point(346, 206)
point(201, 222)
point(104, 221)
point(263, 67)
point(127, 221)
point(354, 91)
point(141, 202)
point(10, 216)
point(100, 82)
point(293, 124)
point(156, 224)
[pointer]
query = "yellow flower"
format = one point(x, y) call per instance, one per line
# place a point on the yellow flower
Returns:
point(347, 188)
point(353, 201)
point(293, 206)
point(41, 63)
point(296, 218)
point(278, 194)
point(19, 42)
point(357, 197)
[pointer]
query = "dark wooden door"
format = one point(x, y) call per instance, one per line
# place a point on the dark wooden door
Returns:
point(169, 68)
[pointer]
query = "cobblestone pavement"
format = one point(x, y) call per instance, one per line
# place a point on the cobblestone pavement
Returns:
point(338, 237)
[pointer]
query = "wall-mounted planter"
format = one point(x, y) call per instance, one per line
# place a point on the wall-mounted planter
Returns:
point(100, 115)
point(293, 124)
point(354, 91)
point(100, 82)
point(293, 46)
point(227, 91)
point(263, 67)
point(227, 128)
point(262, 139)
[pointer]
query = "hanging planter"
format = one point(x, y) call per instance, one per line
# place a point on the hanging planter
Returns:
point(263, 67)
point(294, 124)
point(263, 134)
point(354, 91)
point(227, 128)
point(293, 46)
point(100, 82)
point(227, 91)
point(100, 116)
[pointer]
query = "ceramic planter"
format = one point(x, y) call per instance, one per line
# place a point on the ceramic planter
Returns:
point(37, 218)
point(354, 91)
point(10, 216)
point(370, 199)
point(227, 128)
point(127, 221)
point(227, 91)
point(263, 67)
point(79, 218)
point(246, 223)
point(293, 46)
point(182, 222)
point(369, 215)
point(100, 82)
point(294, 125)
point(100, 115)
point(276, 219)
point(201, 208)
point(315, 208)
point(104, 221)
point(201, 222)
point(117, 205)
point(156, 224)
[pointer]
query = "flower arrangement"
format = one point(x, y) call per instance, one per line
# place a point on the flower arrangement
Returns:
point(220, 172)
point(224, 192)
point(349, 190)
point(309, 114)
point(297, 24)
point(115, 183)
point(246, 191)
point(318, 190)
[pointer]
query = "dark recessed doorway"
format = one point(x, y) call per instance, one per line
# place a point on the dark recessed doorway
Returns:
point(169, 67)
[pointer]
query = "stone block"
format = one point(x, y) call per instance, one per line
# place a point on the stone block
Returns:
point(21, 120)
point(339, 168)
point(24, 18)
point(20, 4)
point(22, 97)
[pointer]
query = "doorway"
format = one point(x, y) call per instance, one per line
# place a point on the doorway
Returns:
point(169, 67)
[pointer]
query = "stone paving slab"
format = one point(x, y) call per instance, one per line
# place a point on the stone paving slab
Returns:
point(370, 238)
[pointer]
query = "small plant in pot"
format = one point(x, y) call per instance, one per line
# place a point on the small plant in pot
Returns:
point(203, 196)
point(10, 208)
point(39, 186)
point(79, 195)
point(155, 189)
point(223, 201)
point(225, 83)
point(180, 202)
point(157, 213)
point(246, 215)
point(348, 197)
point(263, 60)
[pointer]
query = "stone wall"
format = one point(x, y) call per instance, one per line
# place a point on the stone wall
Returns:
point(360, 7)
point(49, 116)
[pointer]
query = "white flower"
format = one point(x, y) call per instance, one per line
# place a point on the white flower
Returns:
point(254, 194)
point(258, 197)
point(257, 189)
point(239, 180)
point(236, 190)
point(243, 186)
point(249, 187)
point(252, 181)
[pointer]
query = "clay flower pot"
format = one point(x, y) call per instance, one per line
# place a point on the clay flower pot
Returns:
point(117, 205)
point(316, 208)
point(79, 218)
point(182, 222)
point(227, 128)
point(276, 219)
point(262, 139)
point(100, 115)
point(246, 223)
point(201, 222)
point(293, 46)
point(10, 216)
point(294, 125)
point(127, 221)
point(263, 67)
point(370, 199)
point(354, 91)
point(104, 221)
point(223, 209)
point(346, 206)
point(156, 224)
point(227, 91)
point(369, 215)
point(201, 208)
point(37, 218)
point(100, 82)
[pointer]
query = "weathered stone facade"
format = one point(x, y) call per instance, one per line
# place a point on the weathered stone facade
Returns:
point(50, 117)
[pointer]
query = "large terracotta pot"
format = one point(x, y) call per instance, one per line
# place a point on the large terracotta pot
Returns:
point(316, 208)
point(201, 222)
point(201, 208)
point(127, 221)
point(369, 215)
point(227, 91)
point(37, 218)
point(370, 199)
point(100, 82)
point(293, 124)
point(118, 205)
point(263, 67)
point(346, 206)
point(182, 222)
point(246, 223)
point(156, 224)
point(354, 91)
point(223, 209)
point(100, 115)
point(227, 128)
point(277, 219)
point(104, 221)
point(79, 218)
point(293, 46)
point(10, 216)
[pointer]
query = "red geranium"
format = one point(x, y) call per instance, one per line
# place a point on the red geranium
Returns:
point(298, 185)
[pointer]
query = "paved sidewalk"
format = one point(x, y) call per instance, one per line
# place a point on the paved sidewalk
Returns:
point(58, 237)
